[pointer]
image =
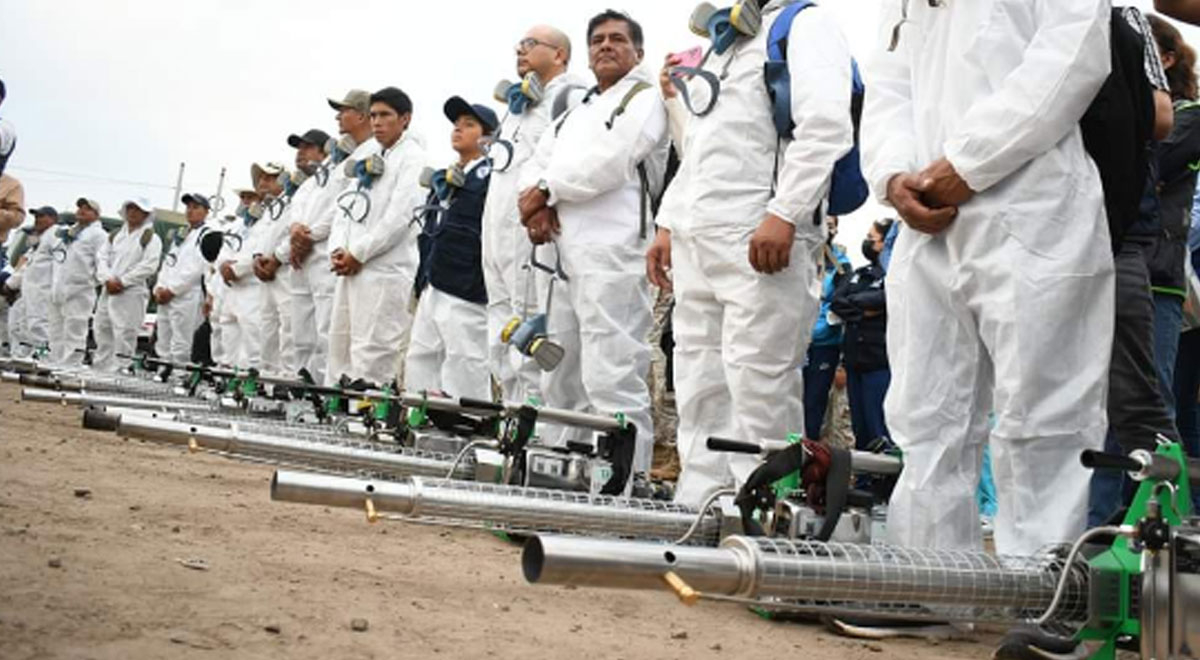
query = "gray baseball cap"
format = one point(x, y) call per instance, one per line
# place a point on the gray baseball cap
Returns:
point(356, 99)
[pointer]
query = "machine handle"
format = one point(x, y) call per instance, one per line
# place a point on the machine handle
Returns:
point(1098, 460)
point(480, 404)
point(733, 446)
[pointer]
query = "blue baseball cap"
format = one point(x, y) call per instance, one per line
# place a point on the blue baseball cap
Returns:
point(456, 107)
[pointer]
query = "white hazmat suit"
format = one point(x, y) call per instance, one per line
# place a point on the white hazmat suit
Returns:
point(242, 333)
point(312, 284)
point(74, 292)
point(182, 273)
point(132, 257)
point(36, 282)
point(505, 244)
point(741, 335)
point(602, 316)
point(279, 351)
point(371, 317)
point(1010, 309)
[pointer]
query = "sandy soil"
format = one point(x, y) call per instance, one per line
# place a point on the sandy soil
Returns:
point(102, 574)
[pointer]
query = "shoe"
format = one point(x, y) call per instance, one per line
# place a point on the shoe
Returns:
point(1029, 643)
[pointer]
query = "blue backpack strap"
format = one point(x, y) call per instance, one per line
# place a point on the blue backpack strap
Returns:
point(779, 83)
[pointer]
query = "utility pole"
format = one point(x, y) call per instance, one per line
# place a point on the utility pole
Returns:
point(178, 190)
point(217, 203)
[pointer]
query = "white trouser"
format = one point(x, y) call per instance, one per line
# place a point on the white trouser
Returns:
point(601, 318)
point(177, 323)
point(69, 326)
point(6, 324)
point(118, 318)
point(979, 323)
point(34, 318)
point(278, 350)
point(369, 325)
point(242, 334)
point(740, 340)
point(15, 332)
point(312, 304)
point(505, 277)
point(448, 349)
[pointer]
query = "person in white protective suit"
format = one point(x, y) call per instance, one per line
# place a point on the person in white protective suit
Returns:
point(241, 307)
point(585, 193)
point(127, 261)
point(214, 305)
point(179, 290)
point(545, 91)
point(303, 248)
point(373, 246)
point(29, 330)
point(1000, 289)
point(73, 295)
point(740, 238)
point(278, 353)
point(448, 349)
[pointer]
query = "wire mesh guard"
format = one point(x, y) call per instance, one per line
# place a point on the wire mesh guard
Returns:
point(890, 582)
point(542, 510)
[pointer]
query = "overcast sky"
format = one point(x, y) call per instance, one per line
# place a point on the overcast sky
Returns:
point(108, 97)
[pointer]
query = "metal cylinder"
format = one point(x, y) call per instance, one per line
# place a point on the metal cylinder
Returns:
point(349, 456)
point(872, 579)
point(512, 508)
point(87, 398)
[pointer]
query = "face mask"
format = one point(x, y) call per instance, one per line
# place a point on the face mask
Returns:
point(869, 251)
point(724, 26)
point(521, 95)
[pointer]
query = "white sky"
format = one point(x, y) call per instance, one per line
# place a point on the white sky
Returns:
point(103, 92)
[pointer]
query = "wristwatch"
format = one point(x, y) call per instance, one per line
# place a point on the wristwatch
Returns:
point(544, 187)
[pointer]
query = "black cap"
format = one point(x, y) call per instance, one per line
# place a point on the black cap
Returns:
point(313, 136)
point(456, 107)
point(196, 198)
point(395, 98)
point(44, 210)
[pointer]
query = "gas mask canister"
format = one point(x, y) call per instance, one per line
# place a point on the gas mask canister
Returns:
point(522, 95)
point(529, 334)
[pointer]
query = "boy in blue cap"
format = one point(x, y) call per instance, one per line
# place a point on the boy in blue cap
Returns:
point(448, 348)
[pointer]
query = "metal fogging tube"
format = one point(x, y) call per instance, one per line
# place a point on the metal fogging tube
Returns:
point(511, 508)
point(86, 398)
point(978, 584)
point(401, 462)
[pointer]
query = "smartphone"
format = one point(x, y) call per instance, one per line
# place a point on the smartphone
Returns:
point(690, 57)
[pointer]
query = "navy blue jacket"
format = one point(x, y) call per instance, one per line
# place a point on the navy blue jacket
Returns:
point(451, 252)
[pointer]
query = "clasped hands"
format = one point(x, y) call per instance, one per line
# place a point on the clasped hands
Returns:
point(928, 200)
point(540, 221)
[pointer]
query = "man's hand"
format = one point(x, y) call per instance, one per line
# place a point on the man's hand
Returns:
point(664, 76)
point(227, 273)
point(163, 295)
point(531, 201)
point(941, 186)
point(344, 263)
point(904, 193)
point(301, 244)
point(543, 226)
point(113, 286)
point(1184, 10)
point(658, 260)
point(265, 268)
point(771, 245)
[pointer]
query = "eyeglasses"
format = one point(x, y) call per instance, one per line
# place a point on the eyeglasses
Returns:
point(529, 43)
point(904, 19)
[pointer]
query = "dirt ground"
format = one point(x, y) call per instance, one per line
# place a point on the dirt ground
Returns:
point(102, 574)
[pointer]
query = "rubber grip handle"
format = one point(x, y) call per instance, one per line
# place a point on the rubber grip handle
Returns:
point(480, 404)
point(733, 446)
point(1098, 460)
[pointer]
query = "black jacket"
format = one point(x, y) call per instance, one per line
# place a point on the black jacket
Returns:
point(451, 252)
point(864, 342)
point(1177, 155)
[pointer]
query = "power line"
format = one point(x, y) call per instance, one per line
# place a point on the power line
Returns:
point(91, 177)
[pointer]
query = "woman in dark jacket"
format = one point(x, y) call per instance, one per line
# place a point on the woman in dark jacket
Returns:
point(860, 302)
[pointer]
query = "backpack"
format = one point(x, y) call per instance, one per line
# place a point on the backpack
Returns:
point(848, 189)
point(1118, 128)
